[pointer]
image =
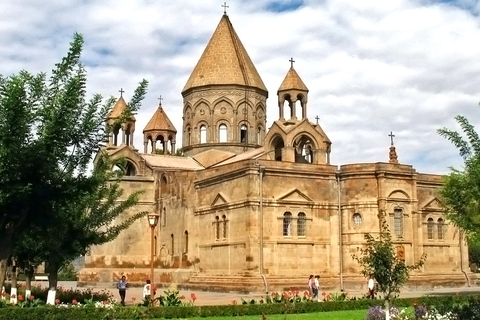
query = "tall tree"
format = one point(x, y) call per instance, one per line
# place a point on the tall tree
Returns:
point(49, 134)
point(461, 189)
point(379, 261)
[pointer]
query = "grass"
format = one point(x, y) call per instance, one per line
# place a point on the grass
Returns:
point(333, 315)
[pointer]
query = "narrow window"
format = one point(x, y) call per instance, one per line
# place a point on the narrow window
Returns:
point(217, 228)
point(287, 224)
point(430, 229)
point(441, 228)
point(398, 222)
point(189, 136)
point(164, 217)
point(259, 135)
point(173, 242)
point(203, 134)
point(224, 220)
point(243, 133)
point(186, 241)
point(222, 133)
point(301, 225)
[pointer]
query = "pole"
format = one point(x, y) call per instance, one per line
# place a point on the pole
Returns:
point(151, 263)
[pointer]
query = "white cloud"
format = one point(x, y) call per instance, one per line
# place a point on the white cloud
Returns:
point(371, 66)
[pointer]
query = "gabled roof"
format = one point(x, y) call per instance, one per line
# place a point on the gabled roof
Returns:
point(159, 121)
point(171, 162)
point(292, 81)
point(225, 61)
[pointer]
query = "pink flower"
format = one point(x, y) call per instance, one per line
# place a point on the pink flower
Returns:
point(31, 297)
point(20, 297)
point(57, 301)
point(74, 302)
point(193, 296)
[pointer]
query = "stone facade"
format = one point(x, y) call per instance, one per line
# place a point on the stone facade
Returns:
point(248, 209)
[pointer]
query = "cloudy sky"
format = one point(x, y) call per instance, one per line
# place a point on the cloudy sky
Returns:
point(372, 66)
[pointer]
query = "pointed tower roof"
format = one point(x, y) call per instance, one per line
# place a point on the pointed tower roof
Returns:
point(292, 81)
point(160, 121)
point(117, 110)
point(225, 61)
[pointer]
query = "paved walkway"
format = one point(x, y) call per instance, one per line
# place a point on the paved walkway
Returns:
point(134, 294)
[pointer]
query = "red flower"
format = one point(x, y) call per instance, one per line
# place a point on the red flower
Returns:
point(20, 297)
point(13, 296)
point(31, 297)
point(74, 302)
point(193, 296)
point(182, 297)
point(234, 301)
point(323, 293)
point(4, 293)
point(57, 301)
point(106, 302)
point(328, 297)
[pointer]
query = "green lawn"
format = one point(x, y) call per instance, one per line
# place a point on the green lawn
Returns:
point(334, 315)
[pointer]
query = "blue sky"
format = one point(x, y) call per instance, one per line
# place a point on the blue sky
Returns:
point(372, 66)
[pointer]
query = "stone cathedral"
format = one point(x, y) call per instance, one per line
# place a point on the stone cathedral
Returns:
point(251, 208)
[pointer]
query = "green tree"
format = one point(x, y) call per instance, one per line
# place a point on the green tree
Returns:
point(379, 261)
point(49, 134)
point(461, 189)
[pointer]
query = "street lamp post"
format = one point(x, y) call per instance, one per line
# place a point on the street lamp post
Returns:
point(152, 221)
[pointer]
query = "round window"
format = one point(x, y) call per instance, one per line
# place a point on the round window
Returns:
point(357, 219)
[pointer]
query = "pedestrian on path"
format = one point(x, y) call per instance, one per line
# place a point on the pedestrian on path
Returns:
point(122, 289)
point(371, 288)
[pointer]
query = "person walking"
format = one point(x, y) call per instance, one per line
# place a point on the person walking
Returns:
point(317, 287)
point(371, 288)
point(122, 289)
point(310, 285)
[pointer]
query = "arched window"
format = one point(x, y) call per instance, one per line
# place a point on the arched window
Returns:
point(259, 135)
point(243, 133)
point(287, 224)
point(398, 222)
point(441, 229)
point(430, 229)
point(224, 220)
point(301, 225)
point(189, 134)
point(164, 217)
point(130, 169)
point(217, 228)
point(203, 134)
point(186, 241)
point(222, 133)
point(278, 147)
point(173, 242)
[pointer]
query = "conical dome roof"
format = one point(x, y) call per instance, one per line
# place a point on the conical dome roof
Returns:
point(225, 61)
point(292, 81)
point(159, 121)
point(117, 110)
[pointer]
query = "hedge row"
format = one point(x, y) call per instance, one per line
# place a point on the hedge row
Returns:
point(91, 313)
